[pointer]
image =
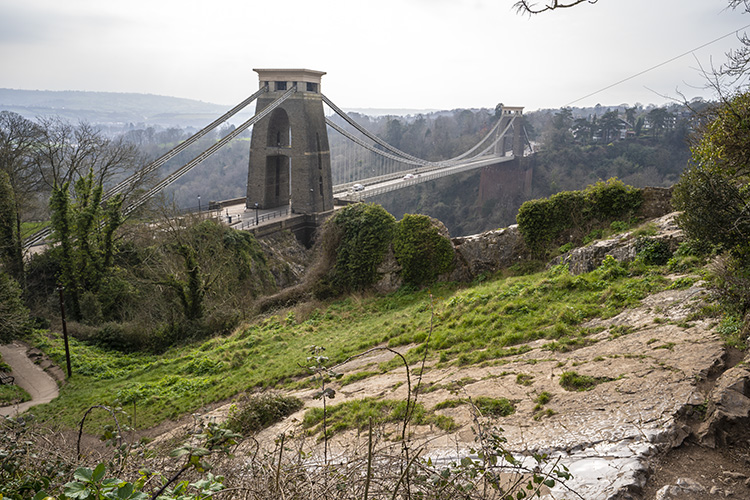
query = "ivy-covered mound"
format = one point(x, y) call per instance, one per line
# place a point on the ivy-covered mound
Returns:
point(569, 215)
point(421, 250)
point(355, 240)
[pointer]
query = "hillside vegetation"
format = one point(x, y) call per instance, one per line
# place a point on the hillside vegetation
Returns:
point(480, 323)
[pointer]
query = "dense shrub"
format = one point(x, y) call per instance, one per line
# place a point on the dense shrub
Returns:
point(729, 278)
point(421, 250)
point(570, 215)
point(714, 192)
point(257, 412)
point(364, 232)
point(652, 251)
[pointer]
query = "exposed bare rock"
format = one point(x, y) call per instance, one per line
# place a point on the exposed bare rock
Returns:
point(656, 202)
point(728, 412)
point(622, 248)
point(487, 252)
point(685, 489)
point(287, 258)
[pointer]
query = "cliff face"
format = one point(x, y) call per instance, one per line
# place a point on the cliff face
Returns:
point(623, 247)
point(494, 250)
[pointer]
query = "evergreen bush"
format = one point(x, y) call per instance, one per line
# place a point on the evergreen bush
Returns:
point(421, 250)
point(366, 231)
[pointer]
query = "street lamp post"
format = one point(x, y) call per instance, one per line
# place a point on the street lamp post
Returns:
point(256, 214)
point(199, 203)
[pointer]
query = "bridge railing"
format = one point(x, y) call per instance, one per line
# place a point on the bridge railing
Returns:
point(251, 221)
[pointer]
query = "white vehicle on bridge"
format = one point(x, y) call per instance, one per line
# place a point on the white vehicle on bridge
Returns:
point(358, 187)
point(408, 176)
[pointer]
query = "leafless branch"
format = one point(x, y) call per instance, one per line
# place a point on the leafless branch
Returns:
point(527, 7)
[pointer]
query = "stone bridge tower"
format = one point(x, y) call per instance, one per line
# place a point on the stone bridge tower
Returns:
point(516, 143)
point(290, 160)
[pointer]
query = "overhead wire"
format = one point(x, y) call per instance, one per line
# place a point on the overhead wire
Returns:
point(658, 65)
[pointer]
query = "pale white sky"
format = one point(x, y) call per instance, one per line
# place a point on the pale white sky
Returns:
point(416, 54)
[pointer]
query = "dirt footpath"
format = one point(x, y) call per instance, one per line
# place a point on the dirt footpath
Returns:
point(32, 378)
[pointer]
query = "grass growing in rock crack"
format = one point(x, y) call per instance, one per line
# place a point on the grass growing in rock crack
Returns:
point(356, 414)
point(572, 381)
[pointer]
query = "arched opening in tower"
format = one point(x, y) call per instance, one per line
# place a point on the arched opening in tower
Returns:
point(277, 180)
point(279, 131)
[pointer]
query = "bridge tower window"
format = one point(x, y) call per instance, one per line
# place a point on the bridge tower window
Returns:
point(280, 85)
point(312, 87)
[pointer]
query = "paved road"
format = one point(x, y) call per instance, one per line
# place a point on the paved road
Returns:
point(29, 377)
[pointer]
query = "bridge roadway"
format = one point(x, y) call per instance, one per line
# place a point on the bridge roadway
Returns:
point(234, 212)
point(378, 185)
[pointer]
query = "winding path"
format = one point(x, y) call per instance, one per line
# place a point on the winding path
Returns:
point(41, 387)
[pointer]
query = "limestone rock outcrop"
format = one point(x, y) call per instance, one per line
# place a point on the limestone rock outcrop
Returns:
point(622, 248)
point(728, 412)
point(487, 252)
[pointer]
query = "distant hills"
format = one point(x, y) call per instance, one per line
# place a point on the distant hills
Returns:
point(112, 108)
point(142, 110)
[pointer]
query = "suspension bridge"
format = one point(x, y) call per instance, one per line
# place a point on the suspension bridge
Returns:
point(291, 177)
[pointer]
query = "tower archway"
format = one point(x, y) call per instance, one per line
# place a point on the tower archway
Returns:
point(290, 160)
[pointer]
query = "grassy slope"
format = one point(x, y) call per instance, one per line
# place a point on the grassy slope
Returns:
point(11, 394)
point(480, 323)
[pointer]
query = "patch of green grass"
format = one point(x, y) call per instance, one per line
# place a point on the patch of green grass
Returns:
point(683, 282)
point(544, 413)
point(444, 422)
point(490, 407)
point(524, 379)
point(29, 228)
point(572, 381)
point(494, 407)
point(543, 398)
point(620, 330)
point(354, 377)
point(12, 394)
point(668, 345)
point(648, 229)
point(356, 414)
point(730, 331)
point(450, 403)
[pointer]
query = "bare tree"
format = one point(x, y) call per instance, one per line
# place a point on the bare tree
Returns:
point(527, 7)
point(68, 152)
point(19, 138)
point(738, 60)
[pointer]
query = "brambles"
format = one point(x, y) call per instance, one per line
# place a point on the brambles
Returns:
point(524, 379)
point(652, 252)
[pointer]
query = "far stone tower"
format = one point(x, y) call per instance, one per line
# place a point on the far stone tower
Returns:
point(290, 160)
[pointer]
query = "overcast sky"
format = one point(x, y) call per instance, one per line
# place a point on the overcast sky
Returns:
point(416, 54)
